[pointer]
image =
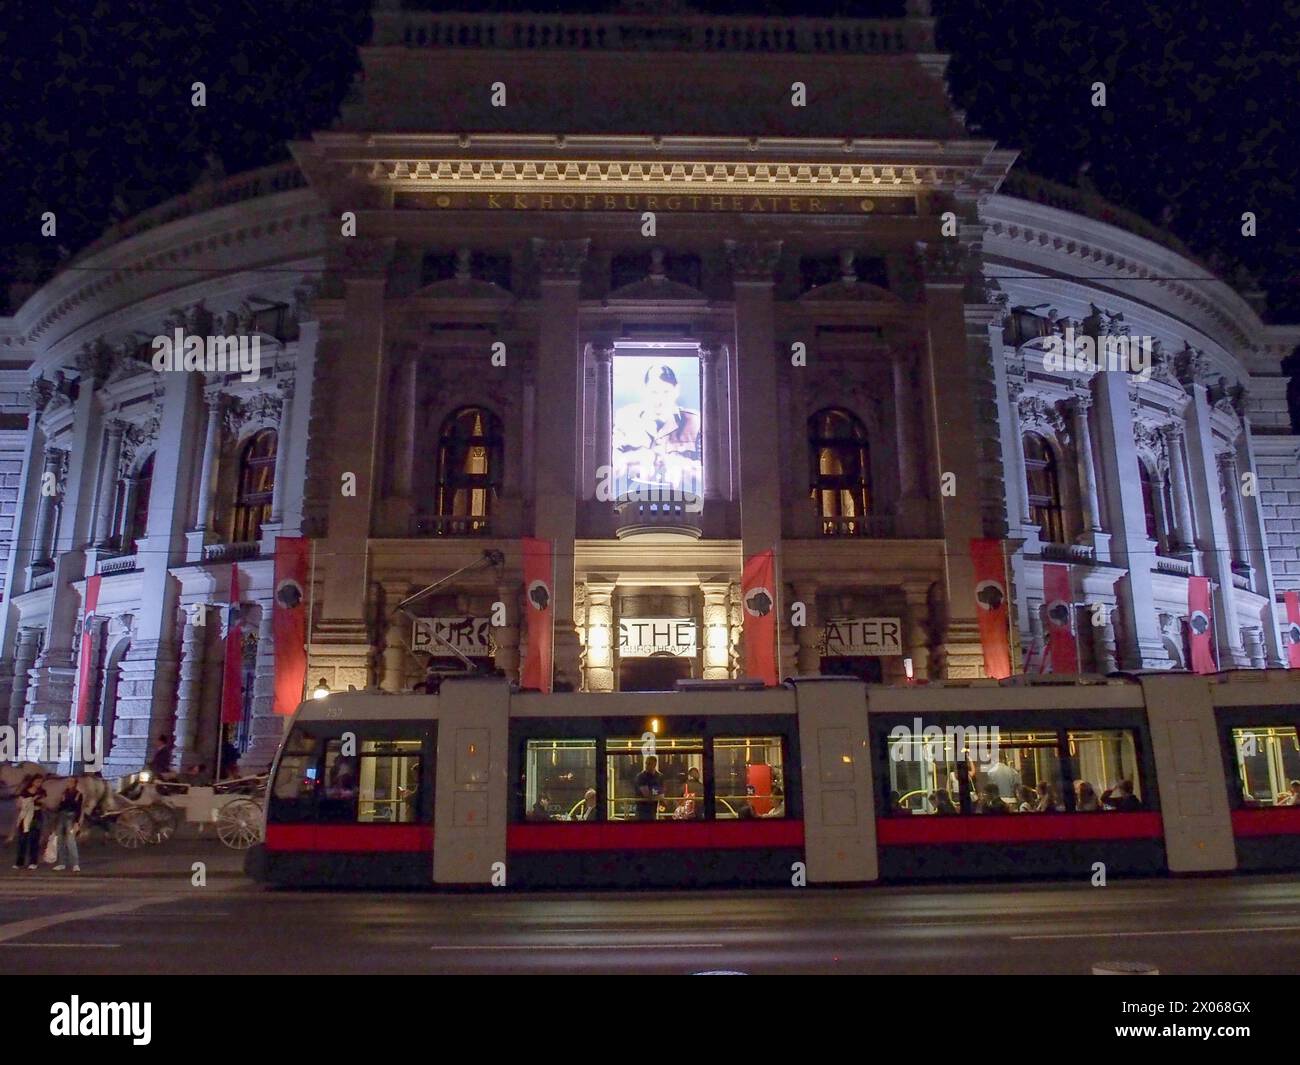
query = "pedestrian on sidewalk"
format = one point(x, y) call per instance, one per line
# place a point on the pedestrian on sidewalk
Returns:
point(66, 826)
point(28, 826)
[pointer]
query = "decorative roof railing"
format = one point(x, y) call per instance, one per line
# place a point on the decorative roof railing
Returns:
point(691, 33)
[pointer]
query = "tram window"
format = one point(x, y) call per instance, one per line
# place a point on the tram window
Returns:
point(389, 782)
point(1268, 765)
point(338, 785)
point(295, 778)
point(1004, 772)
point(1104, 770)
point(748, 777)
point(638, 790)
point(557, 776)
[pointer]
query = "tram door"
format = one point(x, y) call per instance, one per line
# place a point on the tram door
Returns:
point(469, 815)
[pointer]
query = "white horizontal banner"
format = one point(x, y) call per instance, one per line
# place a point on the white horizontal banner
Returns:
point(469, 635)
point(643, 637)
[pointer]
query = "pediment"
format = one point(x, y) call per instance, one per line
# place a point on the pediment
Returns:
point(464, 289)
point(656, 288)
point(850, 292)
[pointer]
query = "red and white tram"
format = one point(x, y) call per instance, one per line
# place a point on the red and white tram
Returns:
point(819, 781)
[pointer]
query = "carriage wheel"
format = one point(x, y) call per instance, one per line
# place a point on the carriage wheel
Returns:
point(165, 818)
point(239, 825)
point(133, 828)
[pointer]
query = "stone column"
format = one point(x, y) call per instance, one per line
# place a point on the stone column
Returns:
point(1079, 427)
point(43, 540)
point(905, 428)
point(557, 432)
point(1212, 527)
point(265, 729)
point(1037, 640)
point(957, 434)
point(1144, 646)
point(716, 637)
point(130, 485)
point(506, 637)
point(350, 359)
point(208, 469)
point(278, 487)
point(600, 636)
point(711, 363)
point(189, 692)
point(108, 484)
point(1232, 497)
point(1163, 521)
point(602, 355)
point(1103, 645)
point(1255, 648)
point(24, 659)
point(808, 656)
point(394, 659)
point(1184, 530)
point(917, 595)
point(759, 445)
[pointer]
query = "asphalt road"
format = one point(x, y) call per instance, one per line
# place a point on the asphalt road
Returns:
point(141, 911)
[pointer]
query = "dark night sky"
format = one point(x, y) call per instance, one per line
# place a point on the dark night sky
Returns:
point(1203, 120)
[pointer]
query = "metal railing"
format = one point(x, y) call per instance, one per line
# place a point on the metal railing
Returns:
point(230, 552)
point(870, 526)
point(690, 33)
point(1177, 567)
point(1070, 552)
point(106, 567)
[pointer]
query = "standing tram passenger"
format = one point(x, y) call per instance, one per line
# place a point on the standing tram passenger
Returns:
point(649, 790)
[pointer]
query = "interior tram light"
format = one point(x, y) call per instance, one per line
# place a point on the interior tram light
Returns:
point(654, 725)
point(321, 690)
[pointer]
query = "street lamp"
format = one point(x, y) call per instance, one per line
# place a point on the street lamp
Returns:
point(321, 690)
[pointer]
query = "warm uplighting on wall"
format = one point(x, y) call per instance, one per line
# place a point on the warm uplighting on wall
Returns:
point(321, 690)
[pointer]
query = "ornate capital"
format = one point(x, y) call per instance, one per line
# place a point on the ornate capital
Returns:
point(753, 260)
point(1190, 365)
point(602, 352)
point(1035, 410)
point(945, 261)
point(560, 260)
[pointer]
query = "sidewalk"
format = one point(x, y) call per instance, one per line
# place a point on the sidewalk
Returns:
point(173, 859)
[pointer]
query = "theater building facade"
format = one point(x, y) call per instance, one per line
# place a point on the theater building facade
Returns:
point(530, 287)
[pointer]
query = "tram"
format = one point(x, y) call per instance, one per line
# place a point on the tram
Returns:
point(820, 781)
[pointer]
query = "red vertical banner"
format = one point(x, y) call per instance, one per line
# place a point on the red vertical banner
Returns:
point(758, 596)
point(232, 701)
point(1058, 617)
point(991, 606)
point(1200, 624)
point(289, 622)
point(87, 648)
point(539, 612)
point(1293, 629)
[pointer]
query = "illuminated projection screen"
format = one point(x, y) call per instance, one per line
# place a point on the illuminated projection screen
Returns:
point(658, 431)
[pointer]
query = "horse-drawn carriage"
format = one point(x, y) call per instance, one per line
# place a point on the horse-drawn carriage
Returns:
point(145, 810)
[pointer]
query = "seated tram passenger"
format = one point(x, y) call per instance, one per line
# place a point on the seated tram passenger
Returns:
point(1085, 798)
point(943, 804)
point(1121, 798)
point(991, 801)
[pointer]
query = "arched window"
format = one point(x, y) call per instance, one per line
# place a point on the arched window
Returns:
point(470, 460)
point(841, 471)
point(1044, 488)
point(256, 486)
point(137, 522)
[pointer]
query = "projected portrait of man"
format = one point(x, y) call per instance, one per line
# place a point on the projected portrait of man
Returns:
point(656, 441)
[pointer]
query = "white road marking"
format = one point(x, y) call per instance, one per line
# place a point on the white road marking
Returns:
point(15, 929)
point(1173, 932)
point(591, 946)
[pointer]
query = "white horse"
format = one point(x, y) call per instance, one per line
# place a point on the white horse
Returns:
point(95, 790)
